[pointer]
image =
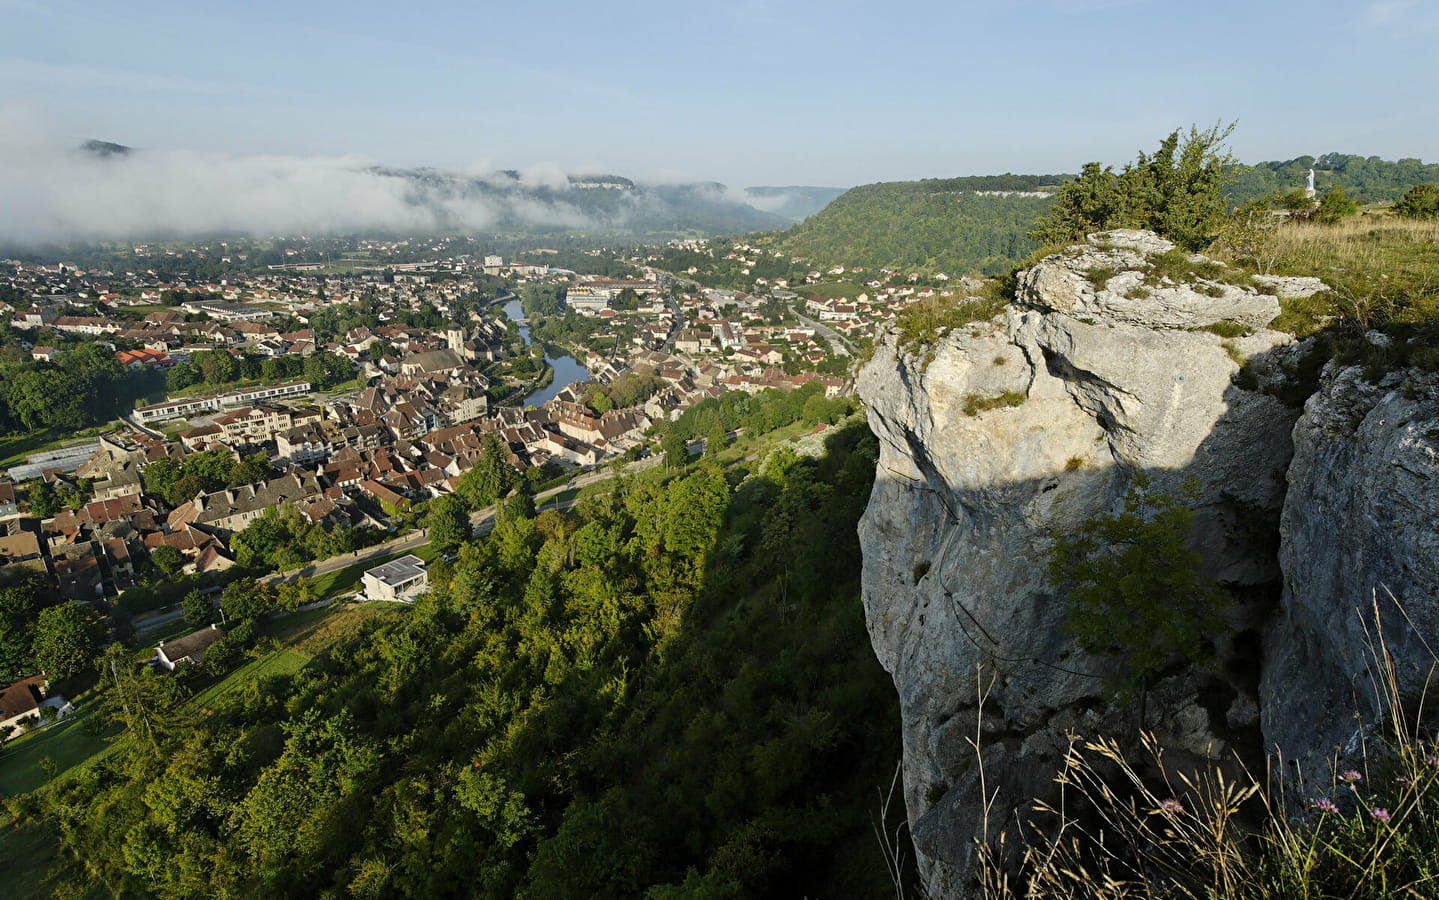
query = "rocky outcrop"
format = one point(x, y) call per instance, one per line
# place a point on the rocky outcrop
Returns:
point(1019, 426)
point(1360, 553)
point(1107, 365)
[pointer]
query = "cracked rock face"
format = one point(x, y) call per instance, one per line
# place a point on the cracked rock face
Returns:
point(1108, 380)
point(1360, 538)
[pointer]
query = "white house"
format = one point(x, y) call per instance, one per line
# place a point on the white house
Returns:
point(190, 648)
point(397, 580)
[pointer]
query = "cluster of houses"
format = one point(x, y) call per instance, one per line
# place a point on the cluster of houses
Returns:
point(408, 435)
point(877, 299)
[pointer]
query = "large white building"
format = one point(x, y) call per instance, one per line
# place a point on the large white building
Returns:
point(191, 406)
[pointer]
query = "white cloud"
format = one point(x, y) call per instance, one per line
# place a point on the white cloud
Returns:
point(1386, 11)
point(52, 192)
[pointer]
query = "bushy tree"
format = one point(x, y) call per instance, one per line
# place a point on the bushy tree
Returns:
point(18, 604)
point(491, 477)
point(44, 502)
point(67, 637)
point(247, 599)
point(1176, 192)
point(1421, 202)
point(448, 522)
point(1135, 589)
point(197, 609)
point(167, 559)
point(1334, 207)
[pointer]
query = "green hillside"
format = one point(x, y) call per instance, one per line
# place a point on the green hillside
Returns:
point(665, 692)
point(1367, 179)
point(952, 225)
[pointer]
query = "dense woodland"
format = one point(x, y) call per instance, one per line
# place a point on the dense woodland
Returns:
point(84, 387)
point(1367, 179)
point(666, 693)
point(938, 225)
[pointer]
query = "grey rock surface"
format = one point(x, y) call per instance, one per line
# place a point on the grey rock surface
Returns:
point(1359, 546)
point(958, 527)
point(1292, 285)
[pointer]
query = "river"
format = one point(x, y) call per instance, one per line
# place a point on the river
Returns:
point(567, 369)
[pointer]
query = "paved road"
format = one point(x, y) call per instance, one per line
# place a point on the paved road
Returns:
point(157, 620)
point(840, 343)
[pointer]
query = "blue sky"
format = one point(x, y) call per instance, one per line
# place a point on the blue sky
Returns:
point(832, 93)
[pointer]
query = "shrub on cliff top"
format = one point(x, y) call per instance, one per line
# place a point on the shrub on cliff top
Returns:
point(1176, 192)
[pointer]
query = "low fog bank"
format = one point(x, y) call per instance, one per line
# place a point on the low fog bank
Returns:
point(53, 194)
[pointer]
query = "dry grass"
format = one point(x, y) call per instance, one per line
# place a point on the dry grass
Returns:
point(1123, 828)
point(1384, 272)
point(1360, 244)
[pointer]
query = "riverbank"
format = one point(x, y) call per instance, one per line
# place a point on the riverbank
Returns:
point(561, 370)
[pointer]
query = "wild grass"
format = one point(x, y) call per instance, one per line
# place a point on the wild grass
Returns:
point(1098, 276)
point(922, 322)
point(1134, 827)
point(974, 404)
point(1384, 272)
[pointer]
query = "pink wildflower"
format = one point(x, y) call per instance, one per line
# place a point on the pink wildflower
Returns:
point(1351, 777)
point(1379, 814)
point(1171, 806)
point(1325, 805)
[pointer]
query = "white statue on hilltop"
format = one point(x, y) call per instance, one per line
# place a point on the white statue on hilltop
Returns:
point(1310, 185)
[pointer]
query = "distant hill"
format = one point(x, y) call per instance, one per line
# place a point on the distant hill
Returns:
point(952, 225)
point(1367, 179)
point(794, 203)
point(980, 223)
point(588, 203)
point(105, 149)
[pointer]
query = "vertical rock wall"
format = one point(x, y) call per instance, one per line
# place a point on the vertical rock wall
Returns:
point(1110, 377)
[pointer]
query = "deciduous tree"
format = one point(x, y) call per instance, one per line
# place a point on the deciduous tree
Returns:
point(67, 637)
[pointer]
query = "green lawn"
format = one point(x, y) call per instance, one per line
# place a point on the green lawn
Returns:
point(281, 662)
point(33, 867)
point(303, 634)
point(67, 743)
point(835, 289)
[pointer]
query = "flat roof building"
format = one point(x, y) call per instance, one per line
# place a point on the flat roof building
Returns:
point(398, 579)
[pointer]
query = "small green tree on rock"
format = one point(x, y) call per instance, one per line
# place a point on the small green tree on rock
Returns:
point(1176, 192)
point(1135, 588)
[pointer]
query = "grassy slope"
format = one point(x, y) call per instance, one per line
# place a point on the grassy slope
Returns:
point(1383, 270)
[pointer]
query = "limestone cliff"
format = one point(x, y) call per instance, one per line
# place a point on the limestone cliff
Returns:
point(1010, 429)
point(1360, 542)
